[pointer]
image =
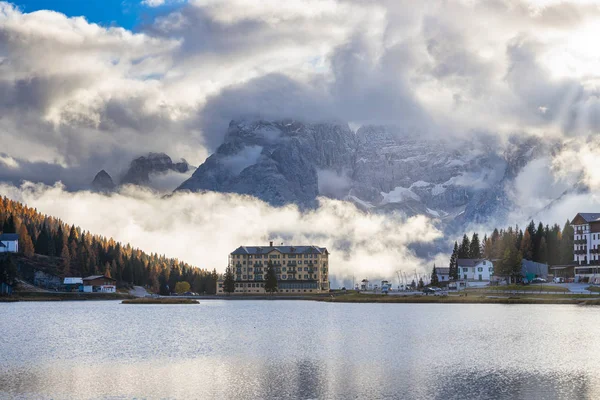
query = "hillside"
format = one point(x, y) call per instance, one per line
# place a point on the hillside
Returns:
point(48, 244)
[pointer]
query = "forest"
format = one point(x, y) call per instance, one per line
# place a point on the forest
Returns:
point(507, 247)
point(82, 253)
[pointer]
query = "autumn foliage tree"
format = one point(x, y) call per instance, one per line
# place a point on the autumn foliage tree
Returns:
point(80, 253)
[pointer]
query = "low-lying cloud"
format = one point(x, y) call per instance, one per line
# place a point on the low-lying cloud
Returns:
point(203, 229)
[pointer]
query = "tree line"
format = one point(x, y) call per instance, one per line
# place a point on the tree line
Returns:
point(81, 253)
point(508, 247)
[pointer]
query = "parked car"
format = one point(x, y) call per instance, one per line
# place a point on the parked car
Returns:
point(558, 279)
point(538, 280)
point(429, 290)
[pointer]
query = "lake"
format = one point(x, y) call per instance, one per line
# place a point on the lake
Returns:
point(298, 350)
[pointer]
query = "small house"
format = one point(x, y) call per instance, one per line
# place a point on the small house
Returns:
point(99, 284)
point(443, 274)
point(9, 243)
point(475, 269)
point(73, 284)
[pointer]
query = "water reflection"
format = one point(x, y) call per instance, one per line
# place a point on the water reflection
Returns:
point(250, 350)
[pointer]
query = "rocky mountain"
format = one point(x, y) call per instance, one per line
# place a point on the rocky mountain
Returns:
point(103, 182)
point(381, 169)
point(142, 168)
point(150, 171)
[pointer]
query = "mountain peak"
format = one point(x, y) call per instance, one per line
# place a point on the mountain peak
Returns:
point(103, 182)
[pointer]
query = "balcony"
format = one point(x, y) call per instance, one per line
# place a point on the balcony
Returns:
point(580, 241)
point(594, 251)
point(580, 252)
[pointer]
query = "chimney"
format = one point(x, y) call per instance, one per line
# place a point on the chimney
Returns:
point(270, 244)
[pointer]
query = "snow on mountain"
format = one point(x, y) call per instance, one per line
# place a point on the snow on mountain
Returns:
point(380, 169)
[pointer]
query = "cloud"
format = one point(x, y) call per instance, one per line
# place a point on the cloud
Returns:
point(76, 97)
point(203, 229)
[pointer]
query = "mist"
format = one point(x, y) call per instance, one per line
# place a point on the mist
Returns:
point(202, 229)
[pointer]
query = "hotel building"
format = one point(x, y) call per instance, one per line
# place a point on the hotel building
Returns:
point(299, 269)
point(586, 239)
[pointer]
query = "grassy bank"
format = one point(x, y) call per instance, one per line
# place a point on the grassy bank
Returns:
point(51, 296)
point(522, 288)
point(144, 300)
point(471, 298)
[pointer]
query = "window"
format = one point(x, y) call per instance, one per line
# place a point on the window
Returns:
point(483, 262)
point(284, 276)
point(480, 269)
point(465, 276)
point(244, 277)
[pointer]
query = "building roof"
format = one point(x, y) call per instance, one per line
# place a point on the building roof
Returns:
point(2, 244)
point(442, 270)
point(469, 262)
point(9, 237)
point(72, 281)
point(93, 277)
point(588, 217)
point(282, 249)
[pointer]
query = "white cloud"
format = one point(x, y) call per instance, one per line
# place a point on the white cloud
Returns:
point(203, 229)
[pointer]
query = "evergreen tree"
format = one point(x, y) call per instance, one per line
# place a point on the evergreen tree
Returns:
point(270, 279)
point(9, 225)
point(229, 282)
point(543, 251)
point(421, 284)
point(8, 270)
point(464, 248)
point(475, 247)
point(566, 244)
point(537, 240)
point(453, 266)
point(526, 246)
point(42, 242)
point(434, 277)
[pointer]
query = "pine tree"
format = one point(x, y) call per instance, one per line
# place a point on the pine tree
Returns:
point(9, 225)
point(526, 246)
point(464, 248)
point(270, 279)
point(566, 244)
point(421, 284)
point(475, 247)
point(543, 251)
point(229, 282)
point(453, 267)
point(434, 277)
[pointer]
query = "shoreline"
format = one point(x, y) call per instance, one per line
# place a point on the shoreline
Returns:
point(472, 298)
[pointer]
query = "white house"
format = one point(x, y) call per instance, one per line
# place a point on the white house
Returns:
point(443, 274)
point(9, 243)
point(475, 269)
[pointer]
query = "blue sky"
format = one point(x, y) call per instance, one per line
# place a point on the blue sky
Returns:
point(125, 13)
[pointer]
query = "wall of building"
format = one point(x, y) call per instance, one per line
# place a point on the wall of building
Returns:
point(296, 273)
point(11, 247)
point(483, 271)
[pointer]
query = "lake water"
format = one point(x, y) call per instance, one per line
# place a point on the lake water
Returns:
point(298, 349)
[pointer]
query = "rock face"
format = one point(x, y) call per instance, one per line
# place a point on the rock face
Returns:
point(381, 169)
point(141, 168)
point(275, 161)
point(103, 182)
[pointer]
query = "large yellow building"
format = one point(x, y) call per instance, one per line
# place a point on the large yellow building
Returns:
point(299, 269)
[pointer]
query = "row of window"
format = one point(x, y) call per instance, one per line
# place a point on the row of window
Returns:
point(282, 269)
point(259, 277)
point(276, 256)
point(284, 262)
point(479, 269)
